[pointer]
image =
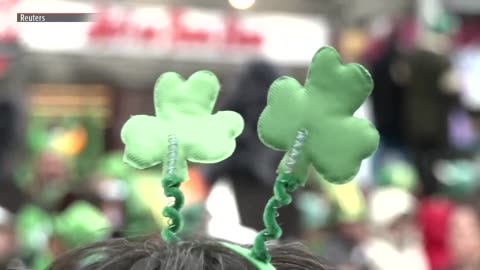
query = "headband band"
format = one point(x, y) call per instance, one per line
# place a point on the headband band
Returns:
point(247, 254)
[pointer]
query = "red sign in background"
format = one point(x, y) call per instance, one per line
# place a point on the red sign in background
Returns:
point(109, 25)
point(8, 32)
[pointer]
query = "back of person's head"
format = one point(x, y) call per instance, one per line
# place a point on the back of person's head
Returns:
point(154, 254)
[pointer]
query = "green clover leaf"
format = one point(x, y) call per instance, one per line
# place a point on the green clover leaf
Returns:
point(183, 108)
point(336, 141)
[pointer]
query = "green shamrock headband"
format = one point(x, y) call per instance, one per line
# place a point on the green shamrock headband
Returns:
point(313, 124)
point(183, 129)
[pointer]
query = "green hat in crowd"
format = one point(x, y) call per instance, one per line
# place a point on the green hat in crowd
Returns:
point(445, 23)
point(457, 178)
point(112, 165)
point(42, 260)
point(313, 218)
point(81, 224)
point(400, 174)
point(34, 227)
point(193, 216)
point(78, 225)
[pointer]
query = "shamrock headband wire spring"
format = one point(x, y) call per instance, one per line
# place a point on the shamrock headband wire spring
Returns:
point(171, 188)
point(284, 184)
point(172, 154)
point(292, 158)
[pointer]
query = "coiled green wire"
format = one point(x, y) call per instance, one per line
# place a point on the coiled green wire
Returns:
point(171, 188)
point(284, 184)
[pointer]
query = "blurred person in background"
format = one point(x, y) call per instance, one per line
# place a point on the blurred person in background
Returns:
point(121, 195)
point(251, 169)
point(433, 217)
point(431, 88)
point(395, 242)
point(476, 125)
point(314, 220)
point(80, 223)
point(348, 224)
point(415, 90)
point(13, 84)
point(467, 60)
point(388, 99)
point(432, 211)
point(11, 197)
point(8, 242)
point(458, 178)
point(111, 194)
point(9, 133)
point(110, 185)
point(50, 179)
point(464, 235)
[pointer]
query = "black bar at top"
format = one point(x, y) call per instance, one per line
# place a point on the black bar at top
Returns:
point(54, 17)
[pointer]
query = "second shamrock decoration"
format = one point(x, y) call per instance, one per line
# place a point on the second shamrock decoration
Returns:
point(314, 124)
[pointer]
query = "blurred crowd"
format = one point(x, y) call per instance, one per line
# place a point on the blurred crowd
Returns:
point(417, 206)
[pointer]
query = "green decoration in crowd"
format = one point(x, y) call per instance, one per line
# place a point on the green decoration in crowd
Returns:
point(37, 135)
point(42, 260)
point(33, 227)
point(80, 224)
point(182, 130)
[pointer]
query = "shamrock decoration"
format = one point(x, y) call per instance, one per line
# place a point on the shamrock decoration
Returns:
point(336, 142)
point(184, 109)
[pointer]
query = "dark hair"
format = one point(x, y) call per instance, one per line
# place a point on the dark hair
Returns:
point(154, 254)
